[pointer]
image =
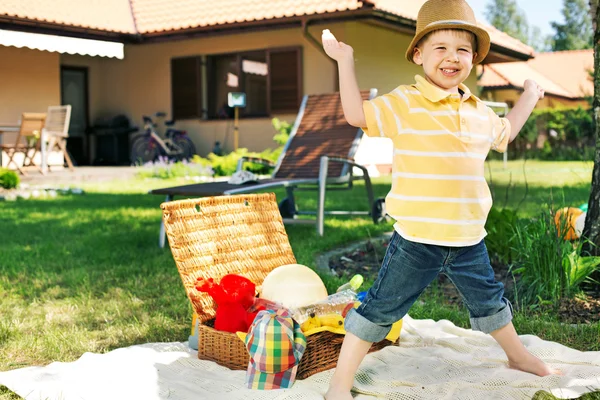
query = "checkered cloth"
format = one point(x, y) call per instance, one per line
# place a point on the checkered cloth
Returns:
point(276, 344)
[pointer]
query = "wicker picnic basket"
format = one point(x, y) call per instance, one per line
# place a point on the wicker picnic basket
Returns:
point(242, 234)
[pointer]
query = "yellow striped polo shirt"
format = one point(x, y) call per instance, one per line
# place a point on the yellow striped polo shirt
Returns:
point(439, 194)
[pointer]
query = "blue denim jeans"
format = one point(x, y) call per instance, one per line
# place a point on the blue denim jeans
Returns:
point(409, 267)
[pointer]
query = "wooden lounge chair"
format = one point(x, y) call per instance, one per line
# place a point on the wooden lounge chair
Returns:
point(318, 156)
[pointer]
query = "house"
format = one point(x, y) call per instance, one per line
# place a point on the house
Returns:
point(565, 75)
point(184, 57)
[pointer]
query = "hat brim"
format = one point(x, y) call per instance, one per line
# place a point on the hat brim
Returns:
point(258, 380)
point(483, 38)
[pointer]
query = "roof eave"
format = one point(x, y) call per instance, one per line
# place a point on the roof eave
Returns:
point(367, 13)
point(34, 26)
point(253, 26)
point(517, 55)
point(405, 25)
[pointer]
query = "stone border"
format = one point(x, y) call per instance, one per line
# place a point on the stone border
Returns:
point(36, 192)
point(322, 259)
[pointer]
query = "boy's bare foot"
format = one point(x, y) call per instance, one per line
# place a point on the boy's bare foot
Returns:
point(336, 394)
point(533, 365)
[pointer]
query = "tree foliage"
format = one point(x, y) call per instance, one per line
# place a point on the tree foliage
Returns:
point(506, 16)
point(576, 32)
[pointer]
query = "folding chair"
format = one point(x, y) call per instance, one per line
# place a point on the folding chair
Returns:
point(318, 156)
point(56, 131)
point(27, 142)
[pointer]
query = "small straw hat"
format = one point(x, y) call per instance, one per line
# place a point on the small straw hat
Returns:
point(449, 14)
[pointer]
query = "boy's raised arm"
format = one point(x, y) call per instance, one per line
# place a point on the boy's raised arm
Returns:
point(532, 92)
point(349, 91)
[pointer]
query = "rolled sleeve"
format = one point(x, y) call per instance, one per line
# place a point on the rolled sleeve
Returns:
point(374, 126)
point(383, 115)
point(364, 329)
point(501, 133)
point(493, 322)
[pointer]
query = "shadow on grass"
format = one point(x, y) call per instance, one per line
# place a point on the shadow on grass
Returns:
point(99, 241)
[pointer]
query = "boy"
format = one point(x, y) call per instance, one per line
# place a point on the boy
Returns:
point(439, 197)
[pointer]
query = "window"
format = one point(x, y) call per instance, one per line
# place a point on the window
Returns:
point(186, 87)
point(255, 83)
point(270, 78)
point(285, 89)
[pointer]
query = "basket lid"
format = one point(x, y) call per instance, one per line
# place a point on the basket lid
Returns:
point(211, 237)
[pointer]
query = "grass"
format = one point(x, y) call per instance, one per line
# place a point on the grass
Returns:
point(527, 185)
point(84, 273)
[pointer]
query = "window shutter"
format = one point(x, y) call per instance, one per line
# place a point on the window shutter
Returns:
point(186, 87)
point(285, 85)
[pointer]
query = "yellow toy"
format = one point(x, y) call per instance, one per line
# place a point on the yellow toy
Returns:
point(334, 322)
point(569, 222)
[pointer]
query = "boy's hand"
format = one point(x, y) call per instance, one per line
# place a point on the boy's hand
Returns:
point(531, 86)
point(337, 50)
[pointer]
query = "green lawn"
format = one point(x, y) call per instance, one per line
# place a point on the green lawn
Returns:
point(84, 273)
point(533, 183)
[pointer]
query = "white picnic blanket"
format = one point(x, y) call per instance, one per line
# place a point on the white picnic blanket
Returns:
point(435, 360)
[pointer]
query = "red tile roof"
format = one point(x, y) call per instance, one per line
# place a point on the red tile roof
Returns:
point(160, 15)
point(502, 39)
point(410, 9)
point(570, 69)
point(156, 16)
point(562, 73)
point(104, 15)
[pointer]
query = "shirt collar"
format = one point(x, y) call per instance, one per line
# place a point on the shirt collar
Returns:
point(435, 94)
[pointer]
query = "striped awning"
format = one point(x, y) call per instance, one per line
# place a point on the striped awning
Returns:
point(61, 44)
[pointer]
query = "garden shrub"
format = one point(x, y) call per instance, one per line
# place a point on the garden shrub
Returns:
point(8, 179)
point(163, 168)
point(549, 267)
point(573, 141)
point(226, 165)
point(500, 228)
point(283, 129)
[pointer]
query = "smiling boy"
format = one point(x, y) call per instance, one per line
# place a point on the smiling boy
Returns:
point(439, 198)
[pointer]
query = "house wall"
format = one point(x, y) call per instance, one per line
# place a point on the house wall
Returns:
point(380, 58)
point(29, 82)
point(549, 101)
point(141, 83)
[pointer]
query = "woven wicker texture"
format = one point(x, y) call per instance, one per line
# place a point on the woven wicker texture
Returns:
point(227, 349)
point(449, 14)
point(242, 234)
point(215, 236)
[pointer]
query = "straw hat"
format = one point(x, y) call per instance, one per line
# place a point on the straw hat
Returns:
point(449, 14)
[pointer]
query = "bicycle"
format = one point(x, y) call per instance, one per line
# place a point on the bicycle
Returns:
point(149, 146)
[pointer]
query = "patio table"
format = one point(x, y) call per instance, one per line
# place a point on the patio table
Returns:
point(8, 128)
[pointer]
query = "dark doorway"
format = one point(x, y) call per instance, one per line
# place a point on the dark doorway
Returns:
point(74, 91)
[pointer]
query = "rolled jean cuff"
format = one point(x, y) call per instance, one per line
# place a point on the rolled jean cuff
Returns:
point(365, 329)
point(492, 322)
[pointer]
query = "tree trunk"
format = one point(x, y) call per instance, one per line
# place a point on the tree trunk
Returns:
point(592, 221)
